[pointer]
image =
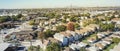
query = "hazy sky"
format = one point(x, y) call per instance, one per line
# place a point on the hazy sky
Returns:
point(56, 3)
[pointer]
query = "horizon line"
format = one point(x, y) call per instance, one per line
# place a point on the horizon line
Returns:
point(61, 7)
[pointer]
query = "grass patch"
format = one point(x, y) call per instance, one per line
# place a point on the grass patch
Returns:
point(115, 42)
point(86, 38)
point(110, 47)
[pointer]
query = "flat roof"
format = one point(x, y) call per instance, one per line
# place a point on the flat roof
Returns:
point(4, 46)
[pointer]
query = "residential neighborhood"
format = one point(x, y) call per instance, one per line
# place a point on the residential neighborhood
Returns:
point(60, 29)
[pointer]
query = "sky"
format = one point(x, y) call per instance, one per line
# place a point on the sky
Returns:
point(8, 4)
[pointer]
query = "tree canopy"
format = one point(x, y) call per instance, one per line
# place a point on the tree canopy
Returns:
point(61, 28)
point(48, 33)
point(105, 27)
point(70, 26)
point(53, 47)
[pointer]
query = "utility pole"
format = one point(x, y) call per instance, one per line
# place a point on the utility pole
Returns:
point(31, 47)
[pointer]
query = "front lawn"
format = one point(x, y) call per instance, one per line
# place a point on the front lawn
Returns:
point(86, 38)
point(111, 46)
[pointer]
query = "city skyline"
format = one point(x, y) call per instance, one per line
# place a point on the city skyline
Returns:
point(11, 4)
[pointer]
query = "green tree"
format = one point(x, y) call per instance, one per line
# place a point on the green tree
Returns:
point(31, 22)
point(105, 27)
point(116, 40)
point(108, 18)
point(50, 15)
point(44, 35)
point(57, 16)
point(49, 33)
point(83, 49)
point(14, 18)
point(19, 15)
point(77, 26)
point(72, 19)
point(66, 16)
point(64, 20)
point(5, 18)
point(53, 47)
point(61, 28)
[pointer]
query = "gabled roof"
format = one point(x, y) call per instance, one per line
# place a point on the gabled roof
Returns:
point(66, 34)
point(53, 40)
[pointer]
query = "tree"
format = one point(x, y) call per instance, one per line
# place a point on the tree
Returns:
point(4, 19)
point(31, 22)
point(19, 15)
point(53, 47)
point(72, 19)
point(64, 20)
point(105, 27)
point(108, 18)
point(116, 40)
point(57, 16)
point(50, 15)
point(49, 33)
point(70, 26)
point(66, 16)
point(14, 18)
point(35, 48)
point(96, 21)
point(77, 26)
point(83, 49)
point(61, 28)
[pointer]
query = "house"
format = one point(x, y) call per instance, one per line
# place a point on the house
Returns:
point(77, 46)
point(107, 41)
point(4, 46)
point(93, 48)
point(81, 44)
point(93, 27)
point(103, 34)
point(75, 35)
point(116, 20)
point(11, 47)
point(53, 40)
point(84, 32)
point(61, 38)
point(92, 40)
point(116, 34)
point(21, 36)
point(107, 22)
point(100, 35)
point(8, 24)
point(99, 45)
point(116, 15)
point(103, 43)
point(68, 35)
point(68, 49)
point(73, 46)
point(88, 29)
point(82, 18)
